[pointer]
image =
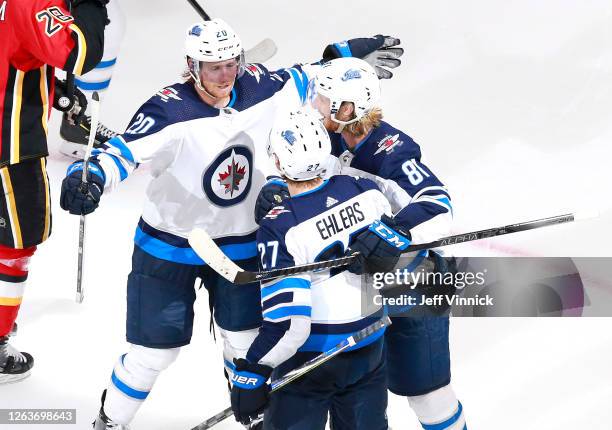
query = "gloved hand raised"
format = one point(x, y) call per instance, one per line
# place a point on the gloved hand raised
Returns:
point(379, 247)
point(381, 52)
point(78, 197)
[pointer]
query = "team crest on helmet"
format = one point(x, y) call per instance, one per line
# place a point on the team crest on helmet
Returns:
point(289, 136)
point(196, 30)
point(351, 74)
point(168, 93)
point(388, 144)
point(227, 180)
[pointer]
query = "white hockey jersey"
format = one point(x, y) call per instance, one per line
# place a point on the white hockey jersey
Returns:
point(208, 164)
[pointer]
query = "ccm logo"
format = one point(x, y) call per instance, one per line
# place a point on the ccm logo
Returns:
point(389, 235)
point(244, 380)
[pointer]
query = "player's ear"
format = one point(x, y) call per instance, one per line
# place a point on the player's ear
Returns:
point(346, 111)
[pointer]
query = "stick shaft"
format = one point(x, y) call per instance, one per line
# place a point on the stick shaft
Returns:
point(194, 4)
point(449, 240)
point(95, 118)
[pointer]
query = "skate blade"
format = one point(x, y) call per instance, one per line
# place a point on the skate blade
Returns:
point(11, 379)
point(73, 150)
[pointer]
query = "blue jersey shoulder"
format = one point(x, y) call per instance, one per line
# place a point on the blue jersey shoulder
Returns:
point(258, 84)
point(390, 142)
point(170, 105)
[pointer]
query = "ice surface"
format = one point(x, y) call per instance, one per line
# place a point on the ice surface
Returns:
point(511, 103)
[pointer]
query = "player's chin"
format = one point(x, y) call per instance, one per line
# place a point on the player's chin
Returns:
point(223, 90)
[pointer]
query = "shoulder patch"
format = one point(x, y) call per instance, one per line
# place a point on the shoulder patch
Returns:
point(168, 93)
point(276, 211)
point(388, 143)
point(254, 70)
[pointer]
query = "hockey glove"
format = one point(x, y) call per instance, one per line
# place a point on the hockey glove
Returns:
point(381, 52)
point(273, 193)
point(379, 247)
point(78, 197)
point(75, 105)
point(250, 390)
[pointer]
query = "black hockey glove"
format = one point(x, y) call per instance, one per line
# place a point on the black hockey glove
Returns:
point(78, 197)
point(381, 52)
point(379, 247)
point(273, 193)
point(76, 105)
point(250, 390)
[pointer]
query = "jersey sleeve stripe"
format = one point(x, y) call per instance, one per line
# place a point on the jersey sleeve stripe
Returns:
point(82, 47)
point(123, 173)
point(284, 284)
point(301, 82)
point(16, 117)
point(288, 311)
point(119, 143)
point(44, 96)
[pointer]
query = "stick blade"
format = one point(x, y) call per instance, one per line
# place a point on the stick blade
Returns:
point(261, 52)
point(208, 251)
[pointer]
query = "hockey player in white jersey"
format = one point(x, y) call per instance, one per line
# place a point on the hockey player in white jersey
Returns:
point(346, 92)
point(205, 139)
point(308, 313)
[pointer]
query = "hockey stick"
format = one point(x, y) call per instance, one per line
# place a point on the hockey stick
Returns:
point(95, 118)
point(259, 53)
point(306, 367)
point(208, 250)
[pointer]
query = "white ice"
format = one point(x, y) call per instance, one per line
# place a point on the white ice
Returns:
point(511, 102)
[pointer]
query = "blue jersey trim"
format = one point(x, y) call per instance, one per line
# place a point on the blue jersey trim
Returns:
point(288, 311)
point(301, 83)
point(359, 145)
point(233, 99)
point(166, 251)
point(343, 49)
point(92, 86)
point(305, 193)
point(122, 172)
point(325, 342)
point(284, 284)
point(107, 63)
point(124, 388)
point(116, 142)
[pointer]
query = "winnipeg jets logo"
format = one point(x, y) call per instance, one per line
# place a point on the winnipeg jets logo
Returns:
point(232, 177)
point(388, 144)
point(227, 180)
point(254, 70)
point(351, 74)
point(167, 94)
point(289, 136)
point(330, 202)
point(276, 211)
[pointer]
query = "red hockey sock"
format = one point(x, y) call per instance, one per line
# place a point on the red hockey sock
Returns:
point(13, 275)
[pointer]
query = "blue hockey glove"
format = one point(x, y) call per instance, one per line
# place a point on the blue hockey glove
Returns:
point(381, 52)
point(78, 197)
point(379, 247)
point(273, 193)
point(250, 390)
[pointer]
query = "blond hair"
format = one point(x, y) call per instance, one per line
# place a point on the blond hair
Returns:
point(370, 120)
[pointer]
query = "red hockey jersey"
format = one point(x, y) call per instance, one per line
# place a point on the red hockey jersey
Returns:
point(35, 37)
